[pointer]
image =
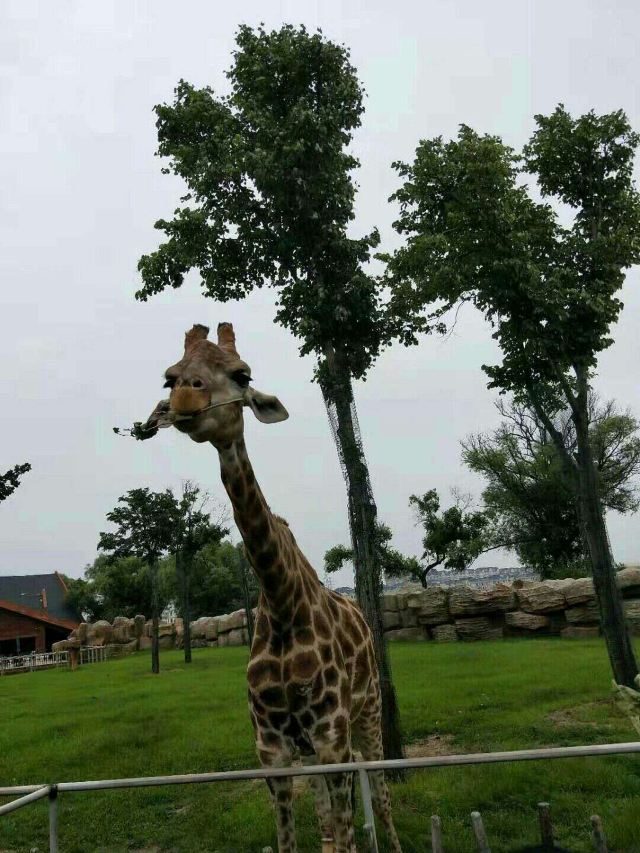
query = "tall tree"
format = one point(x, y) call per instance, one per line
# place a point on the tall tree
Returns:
point(528, 496)
point(192, 531)
point(145, 527)
point(10, 480)
point(270, 199)
point(550, 292)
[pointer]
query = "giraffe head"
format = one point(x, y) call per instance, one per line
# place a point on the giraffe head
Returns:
point(210, 386)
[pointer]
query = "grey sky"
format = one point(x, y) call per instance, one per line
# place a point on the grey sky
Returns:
point(81, 190)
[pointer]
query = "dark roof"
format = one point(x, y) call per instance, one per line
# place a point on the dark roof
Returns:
point(13, 587)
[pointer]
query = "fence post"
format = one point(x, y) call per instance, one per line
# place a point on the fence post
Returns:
point(369, 819)
point(53, 819)
point(598, 836)
point(546, 827)
point(436, 835)
point(482, 842)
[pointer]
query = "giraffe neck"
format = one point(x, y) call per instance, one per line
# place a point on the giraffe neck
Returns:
point(270, 547)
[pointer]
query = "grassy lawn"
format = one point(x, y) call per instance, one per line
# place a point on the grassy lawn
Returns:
point(116, 719)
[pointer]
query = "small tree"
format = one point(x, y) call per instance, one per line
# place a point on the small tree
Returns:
point(193, 530)
point(453, 538)
point(145, 527)
point(528, 495)
point(393, 564)
point(10, 480)
point(550, 293)
point(270, 200)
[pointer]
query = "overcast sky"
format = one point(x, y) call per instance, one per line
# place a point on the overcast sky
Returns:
point(81, 189)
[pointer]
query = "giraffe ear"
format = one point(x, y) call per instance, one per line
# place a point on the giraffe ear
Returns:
point(266, 408)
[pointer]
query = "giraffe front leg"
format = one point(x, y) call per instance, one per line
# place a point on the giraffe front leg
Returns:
point(340, 788)
point(281, 792)
point(318, 785)
point(282, 796)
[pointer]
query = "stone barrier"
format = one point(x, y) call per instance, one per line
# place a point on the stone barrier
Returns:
point(563, 608)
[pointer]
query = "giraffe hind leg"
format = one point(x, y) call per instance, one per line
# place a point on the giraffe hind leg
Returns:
point(318, 785)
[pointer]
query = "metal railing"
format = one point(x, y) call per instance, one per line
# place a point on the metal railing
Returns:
point(93, 654)
point(32, 793)
point(33, 661)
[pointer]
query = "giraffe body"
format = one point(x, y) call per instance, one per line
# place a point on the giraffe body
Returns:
point(312, 677)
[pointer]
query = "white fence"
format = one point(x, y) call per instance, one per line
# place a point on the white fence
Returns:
point(93, 654)
point(31, 793)
point(33, 661)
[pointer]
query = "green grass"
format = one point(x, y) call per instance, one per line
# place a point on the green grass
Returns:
point(116, 719)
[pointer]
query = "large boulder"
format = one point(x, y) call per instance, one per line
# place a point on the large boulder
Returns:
point(198, 628)
point(478, 628)
point(576, 632)
point(211, 629)
point(122, 649)
point(543, 597)
point(408, 618)
point(629, 581)
point(473, 601)
point(407, 634)
point(237, 619)
point(444, 633)
point(632, 612)
point(144, 643)
point(80, 633)
point(167, 641)
point(99, 633)
point(579, 591)
point(391, 619)
point(431, 606)
point(123, 630)
point(583, 614)
point(238, 637)
point(527, 621)
point(389, 601)
point(66, 645)
point(167, 630)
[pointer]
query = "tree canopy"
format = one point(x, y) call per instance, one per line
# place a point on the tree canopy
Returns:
point(270, 195)
point(528, 497)
point(474, 233)
point(10, 480)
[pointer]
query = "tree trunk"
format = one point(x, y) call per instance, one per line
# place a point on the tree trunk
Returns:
point(612, 618)
point(338, 393)
point(155, 616)
point(183, 567)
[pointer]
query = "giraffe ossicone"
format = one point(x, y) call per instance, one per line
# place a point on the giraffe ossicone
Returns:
point(312, 676)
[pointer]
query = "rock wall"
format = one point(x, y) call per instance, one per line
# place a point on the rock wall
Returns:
point(125, 636)
point(566, 608)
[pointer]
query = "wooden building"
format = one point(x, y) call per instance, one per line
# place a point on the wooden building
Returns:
point(34, 613)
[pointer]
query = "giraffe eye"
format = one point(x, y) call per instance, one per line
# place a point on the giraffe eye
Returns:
point(241, 378)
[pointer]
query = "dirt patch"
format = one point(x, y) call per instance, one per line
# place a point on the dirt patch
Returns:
point(425, 748)
point(430, 746)
point(578, 716)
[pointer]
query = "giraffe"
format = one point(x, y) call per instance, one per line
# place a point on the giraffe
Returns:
point(313, 684)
